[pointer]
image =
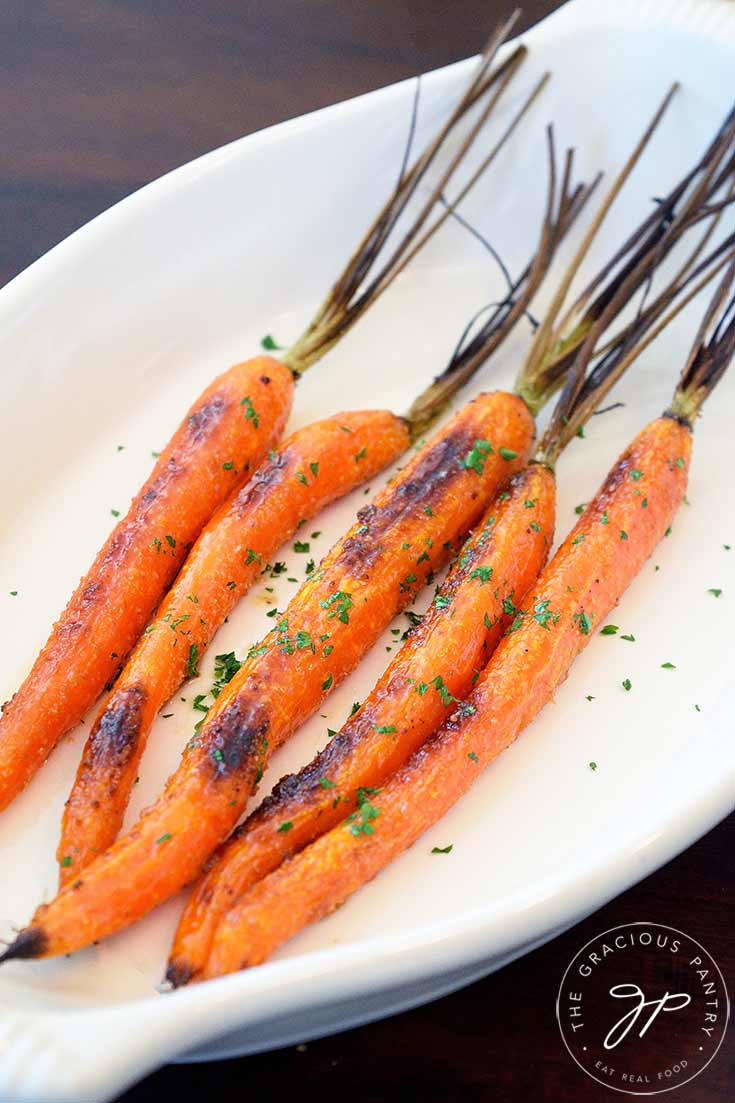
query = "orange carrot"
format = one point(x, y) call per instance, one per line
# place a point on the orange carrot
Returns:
point(583, 582)
point(225, 435)
point(432, 670)
point(313, 467)
point(368, 576)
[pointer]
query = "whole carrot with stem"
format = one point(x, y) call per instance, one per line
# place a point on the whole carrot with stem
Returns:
point(315, 466)
point(398, 540)
point(613, 538)
point(224, 436)
point(463, 624)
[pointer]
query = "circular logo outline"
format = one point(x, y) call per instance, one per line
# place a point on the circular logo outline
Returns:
point(693, 941)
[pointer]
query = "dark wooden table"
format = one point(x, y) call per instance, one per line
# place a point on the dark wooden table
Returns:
point(101, 96)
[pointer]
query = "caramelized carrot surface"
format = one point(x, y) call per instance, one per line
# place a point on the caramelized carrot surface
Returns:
point(408, 532)
point(315, 466)
point(226, 433)
point(561, 613)
point(437, 665)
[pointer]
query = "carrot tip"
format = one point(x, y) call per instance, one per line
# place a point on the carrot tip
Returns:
point(30, 943)
point(178, 973)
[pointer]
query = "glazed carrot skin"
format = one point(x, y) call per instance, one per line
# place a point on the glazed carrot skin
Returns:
point(315, 466)
point(582, 583)
point(368, 576)
point(435, 667)
point(226, 433)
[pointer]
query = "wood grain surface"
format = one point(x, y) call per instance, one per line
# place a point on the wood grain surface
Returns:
point(101, 96)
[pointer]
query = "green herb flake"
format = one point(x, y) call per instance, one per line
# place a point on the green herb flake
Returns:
point(327, 683)
point(715, 592)
point(609, 630)
point(163, 838)
point(627, 685)
point(250, 412)
point(476, 457)
point(507, 453)
point(339, 604)
point(668, 666)
point(285, 827)
point(191, 661)
point(442, 849)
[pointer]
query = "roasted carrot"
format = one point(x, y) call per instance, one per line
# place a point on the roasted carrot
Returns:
point(587, 576)
point(359, 757)
point(313, 467)
point(430, 673)
point(404, 535)
point(569, 600)
point(224, 435)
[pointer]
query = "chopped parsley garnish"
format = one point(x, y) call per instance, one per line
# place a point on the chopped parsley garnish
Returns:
point(269, 344)
point(229, 466)
point(191, 661)
point(342, 602)
point(66, 861)
point(668, 666)
point(507, 453)
point(302, 546)
point(442, 601)
point(250, 412)
point(476, 457)
point(624, 535)
point(327, 683)
point(584, 623)
point(360, 455)
point(473, 756)
point(285, 827)
point(535, 526)
point(629, 637)
point(483, 573)
point(609, 630)
point(627, 684)
point(163, 838)
point(636, 475)
point(715, 592)
point(442, 849)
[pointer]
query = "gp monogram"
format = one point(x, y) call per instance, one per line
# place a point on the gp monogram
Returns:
point(643, 1008)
